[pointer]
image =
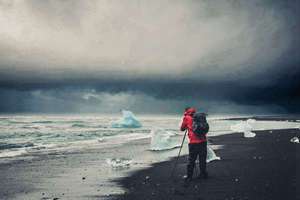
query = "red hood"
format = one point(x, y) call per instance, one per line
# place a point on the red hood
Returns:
point(190, 111)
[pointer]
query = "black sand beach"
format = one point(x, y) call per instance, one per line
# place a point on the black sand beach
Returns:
point(264, 167)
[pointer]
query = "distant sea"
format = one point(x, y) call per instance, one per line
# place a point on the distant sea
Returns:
point(43, 134)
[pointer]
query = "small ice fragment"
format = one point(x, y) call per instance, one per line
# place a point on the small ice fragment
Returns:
point(244, 127)
point(162, 140)
point(211, 155)
point(295, 140)
point(147, 177)
point(249, 134)
point(251, 121)
point(127, 121)
point(119, 163)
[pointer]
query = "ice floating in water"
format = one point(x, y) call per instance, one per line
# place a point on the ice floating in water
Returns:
point(211, 155)
point(118, 163)
point(7, 153)
point(295, 140)
point(127, 121)
point(244, 127)
point(162, 140)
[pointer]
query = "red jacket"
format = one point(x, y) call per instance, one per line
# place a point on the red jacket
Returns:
point(187, 123)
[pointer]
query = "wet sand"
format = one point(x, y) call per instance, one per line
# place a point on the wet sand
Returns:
point(264, 167)
point(84, 174)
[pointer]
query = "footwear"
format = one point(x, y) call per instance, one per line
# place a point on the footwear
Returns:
point(187, 181)
point(203, 176)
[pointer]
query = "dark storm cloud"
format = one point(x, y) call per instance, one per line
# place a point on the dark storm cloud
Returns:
point(243, 52)
point(89, 100)
point(154, 96)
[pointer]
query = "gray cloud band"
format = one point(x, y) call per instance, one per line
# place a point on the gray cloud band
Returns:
point(207, 40)
point(242, 51)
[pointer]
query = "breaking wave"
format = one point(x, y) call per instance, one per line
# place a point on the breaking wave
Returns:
point(26, 134)
point(4, 145)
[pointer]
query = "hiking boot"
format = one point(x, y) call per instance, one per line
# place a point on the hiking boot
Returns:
point(203, 176)
point(187, 181)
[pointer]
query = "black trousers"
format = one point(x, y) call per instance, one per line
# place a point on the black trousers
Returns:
point(197, 151)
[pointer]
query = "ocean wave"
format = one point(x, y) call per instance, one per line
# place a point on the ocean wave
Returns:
point(19, 135)
point(7, 136)
point(79, 125)
point(4, 146)
point(7, 154)
point(74, 121)
point(82, 125)
point(43, 122)
point(15, 122)
point(30, 127)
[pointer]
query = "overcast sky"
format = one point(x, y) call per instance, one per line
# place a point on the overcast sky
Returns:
point(149, 56)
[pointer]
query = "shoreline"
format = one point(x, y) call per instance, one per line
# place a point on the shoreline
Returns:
point(84, 174)
point(264, 167)
point(77, 175)
point(288, 118)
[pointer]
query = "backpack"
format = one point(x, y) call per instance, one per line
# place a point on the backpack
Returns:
point(200, 125)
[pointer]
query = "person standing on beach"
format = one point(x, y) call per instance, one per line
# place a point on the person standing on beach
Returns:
point(197, 146)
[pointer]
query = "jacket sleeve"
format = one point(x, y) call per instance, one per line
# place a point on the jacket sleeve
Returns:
point(184, 124)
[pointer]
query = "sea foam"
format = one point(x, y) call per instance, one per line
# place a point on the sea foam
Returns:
point(162, 140)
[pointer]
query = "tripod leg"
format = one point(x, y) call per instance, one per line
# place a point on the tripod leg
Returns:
point(178, 154)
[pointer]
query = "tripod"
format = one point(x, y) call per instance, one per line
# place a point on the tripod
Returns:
point(175, 165)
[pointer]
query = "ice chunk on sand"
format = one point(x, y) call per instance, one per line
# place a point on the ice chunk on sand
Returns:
point(127, 121)
point(162, 140)
point(118, 163)
point(211, 155)
point(244, 127)
point(249, 134)
point(295, 140)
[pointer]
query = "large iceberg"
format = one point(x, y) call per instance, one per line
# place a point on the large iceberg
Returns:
point(162, 140)
point(244, 127)
point(127, 121)
point(211, 155)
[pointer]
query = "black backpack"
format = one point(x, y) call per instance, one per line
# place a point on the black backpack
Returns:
point(200, 125)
